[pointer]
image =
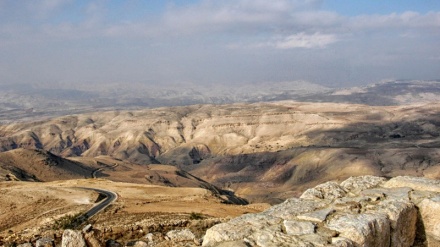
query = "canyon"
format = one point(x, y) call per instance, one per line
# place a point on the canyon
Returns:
point(264, 152)
point(214, 170)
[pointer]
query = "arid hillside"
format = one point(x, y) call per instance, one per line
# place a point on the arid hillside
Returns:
point(37, 165)
point(31, 210)
point(263, 151)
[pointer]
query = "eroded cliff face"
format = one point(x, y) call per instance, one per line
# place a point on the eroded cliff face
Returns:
point(198, 131)
point(278, 148)
point(361, 211)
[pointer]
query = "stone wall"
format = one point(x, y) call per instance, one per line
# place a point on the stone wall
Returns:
point(361, 211)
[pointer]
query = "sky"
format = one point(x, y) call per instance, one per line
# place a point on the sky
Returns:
point(334, 43)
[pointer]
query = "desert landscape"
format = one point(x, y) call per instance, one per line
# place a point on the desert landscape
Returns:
point(231, 123)
point(192, 167)
point(263, 152)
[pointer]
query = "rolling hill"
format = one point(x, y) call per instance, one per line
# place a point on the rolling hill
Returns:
point(262, 151)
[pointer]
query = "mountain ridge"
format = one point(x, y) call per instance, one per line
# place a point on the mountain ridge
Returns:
point(251, 143)
point(20, 103)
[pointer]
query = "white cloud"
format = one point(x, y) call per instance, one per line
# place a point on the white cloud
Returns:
point(246, 15)
point(408, 19)
point(303, 40)
point(256, 32)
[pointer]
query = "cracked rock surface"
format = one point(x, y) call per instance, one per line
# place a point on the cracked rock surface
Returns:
point(361, 211)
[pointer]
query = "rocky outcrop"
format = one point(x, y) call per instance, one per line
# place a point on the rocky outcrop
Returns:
point(181, 235)
point(45, 242)
point(361, 211)
point(73, 238)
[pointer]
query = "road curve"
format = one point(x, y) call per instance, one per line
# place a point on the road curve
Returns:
point(110, 197)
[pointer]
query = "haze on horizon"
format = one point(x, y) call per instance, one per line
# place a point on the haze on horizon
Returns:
point(201, 42)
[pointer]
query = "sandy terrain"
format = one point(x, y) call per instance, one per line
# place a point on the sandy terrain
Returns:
point(29, 207)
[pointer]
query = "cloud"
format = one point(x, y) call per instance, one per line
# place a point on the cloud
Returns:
point(224, 40)
point(246, 15)
point(303, 40)
point(408, 19)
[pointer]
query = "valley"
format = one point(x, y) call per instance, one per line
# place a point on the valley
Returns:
point(194, 166)
point(264, 152)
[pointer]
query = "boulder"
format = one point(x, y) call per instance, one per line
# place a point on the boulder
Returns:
point(316, 216)
point(44, 242)
point(357, 184)
point(403, 219)
point(149, 237)
point(429, 212)
point(363, 229)
point(181, 235)
point(73, 238)
point(289, 209)
point(298, 227)
point(329, 190)
point(139, 244)
point(241, 227)
point(93, 238)
point(342, 242)
point(415, 183)
point(275, 239)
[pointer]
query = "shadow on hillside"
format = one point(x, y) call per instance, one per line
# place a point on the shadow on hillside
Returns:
point(423, 131)
point(407, 147)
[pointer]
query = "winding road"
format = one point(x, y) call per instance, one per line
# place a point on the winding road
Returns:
point(110, 197)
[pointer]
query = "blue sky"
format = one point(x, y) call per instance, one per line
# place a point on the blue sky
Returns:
point(330, 42)
point(369, 7)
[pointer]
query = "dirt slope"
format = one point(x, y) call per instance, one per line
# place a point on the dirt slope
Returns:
point(261, 150)
point(30, 208)
point(39, 165)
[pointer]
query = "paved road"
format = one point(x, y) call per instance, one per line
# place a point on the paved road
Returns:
point(102, 168)
point(110, 197)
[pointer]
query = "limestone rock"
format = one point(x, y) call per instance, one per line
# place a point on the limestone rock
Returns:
point(73, 238)
point(44, 242)
point(363, 229)
point(275, 239)
point(93, 238)
point(342, 242)
point(181, 235)
point(238, 243)
point(140, 244)
point(356, 184)
point(403, 219)
point(429, 211)
point(364, 211)
point(298, 227)
point(149, 237)
point(329, 190)
point(416, 183)
point(293, 207)
point(396, 194)
point(240, 228)
point(316, 216)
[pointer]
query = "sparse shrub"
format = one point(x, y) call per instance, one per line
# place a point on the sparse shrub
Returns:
point(68, 222)
point(196, 216)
